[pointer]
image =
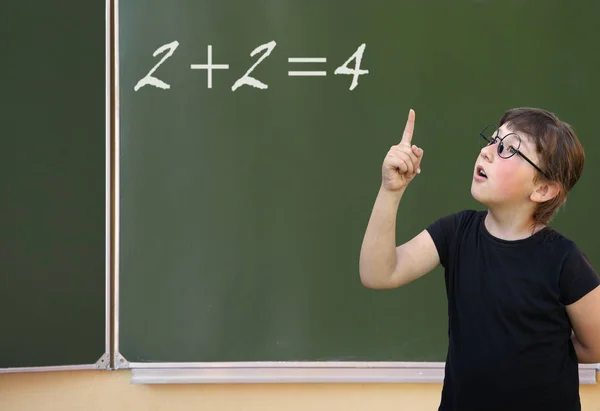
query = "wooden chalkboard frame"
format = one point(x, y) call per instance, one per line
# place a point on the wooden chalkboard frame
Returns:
point(104, 360)
point(259, 372)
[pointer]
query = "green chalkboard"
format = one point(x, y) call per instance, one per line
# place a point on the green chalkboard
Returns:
point(52, 235)
point(243, 207)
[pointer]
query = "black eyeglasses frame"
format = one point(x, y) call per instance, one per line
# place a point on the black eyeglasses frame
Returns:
point(516, 150)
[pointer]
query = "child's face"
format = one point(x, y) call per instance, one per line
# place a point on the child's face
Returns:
point(509, 181)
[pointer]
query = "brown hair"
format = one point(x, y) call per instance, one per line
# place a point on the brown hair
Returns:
point(560, 152)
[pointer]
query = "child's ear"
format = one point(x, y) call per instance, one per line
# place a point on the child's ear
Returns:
point(545, 191)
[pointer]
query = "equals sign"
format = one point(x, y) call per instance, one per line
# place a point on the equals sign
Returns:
point(307, 60)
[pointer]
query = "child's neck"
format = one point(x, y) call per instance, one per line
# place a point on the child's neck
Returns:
point(510, 225)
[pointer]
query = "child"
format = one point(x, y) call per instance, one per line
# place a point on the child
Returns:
point(523, 300)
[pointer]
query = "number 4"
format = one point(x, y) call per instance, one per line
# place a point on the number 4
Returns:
point(356, 71)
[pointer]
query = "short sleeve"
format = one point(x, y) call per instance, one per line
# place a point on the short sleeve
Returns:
point(577, 277)
point(443, 231)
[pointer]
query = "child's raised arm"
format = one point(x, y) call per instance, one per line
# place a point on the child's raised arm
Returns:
point(382, 264)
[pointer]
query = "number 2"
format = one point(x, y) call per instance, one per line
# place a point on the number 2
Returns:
point(251, 81)
point(153, 81)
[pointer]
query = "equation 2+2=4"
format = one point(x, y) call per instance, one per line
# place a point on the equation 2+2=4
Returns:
point(247, 79)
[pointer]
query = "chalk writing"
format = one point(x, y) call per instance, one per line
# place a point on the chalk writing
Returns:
point(247, 80)
point(149, 80)
point(307, 60)
point(251, 81)
point(209, 67)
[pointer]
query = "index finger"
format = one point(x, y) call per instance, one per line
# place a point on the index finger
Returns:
point(409, 128)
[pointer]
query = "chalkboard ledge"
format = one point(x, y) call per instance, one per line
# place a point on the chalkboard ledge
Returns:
point(303, 372)
point(103, 363)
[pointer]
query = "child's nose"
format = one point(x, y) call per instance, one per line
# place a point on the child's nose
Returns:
point(487, 152)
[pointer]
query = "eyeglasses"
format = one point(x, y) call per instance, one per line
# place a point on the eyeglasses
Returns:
point(508, 145)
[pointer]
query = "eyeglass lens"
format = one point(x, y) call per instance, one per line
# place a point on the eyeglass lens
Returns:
point(507, 145)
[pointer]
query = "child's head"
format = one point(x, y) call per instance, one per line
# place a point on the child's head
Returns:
point(541, 184)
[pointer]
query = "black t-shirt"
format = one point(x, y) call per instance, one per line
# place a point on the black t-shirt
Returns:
point(509, 333)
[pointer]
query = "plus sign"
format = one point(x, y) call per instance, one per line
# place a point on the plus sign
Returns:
point(209, 66)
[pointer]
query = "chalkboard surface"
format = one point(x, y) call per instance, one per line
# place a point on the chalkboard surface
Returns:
point(52, 236)
point(245, 190)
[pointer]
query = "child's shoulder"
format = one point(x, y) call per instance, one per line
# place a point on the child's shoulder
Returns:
point(553, 236)
point(564, 249)
point(577, 275)
point(463, 214)
point(464, 217)
point(454, 221)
